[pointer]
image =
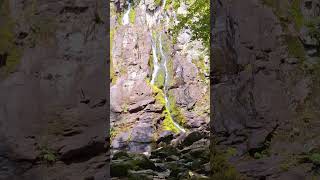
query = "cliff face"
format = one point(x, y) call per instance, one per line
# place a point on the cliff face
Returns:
point(52, 90)
point(266, 89)
point(159, 91)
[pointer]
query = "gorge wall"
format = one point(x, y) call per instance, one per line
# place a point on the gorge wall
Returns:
point(265, 88)
point(53, 116)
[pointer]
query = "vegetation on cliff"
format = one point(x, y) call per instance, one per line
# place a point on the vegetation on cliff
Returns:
point(197, 19)
point(7, 39)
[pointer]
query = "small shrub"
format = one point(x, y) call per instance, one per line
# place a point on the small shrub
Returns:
point(48, 155)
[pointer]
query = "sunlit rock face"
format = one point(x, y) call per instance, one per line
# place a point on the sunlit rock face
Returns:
point(265, 79)
point(159, 92)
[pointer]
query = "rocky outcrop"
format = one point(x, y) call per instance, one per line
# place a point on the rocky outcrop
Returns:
point(188, 158)
point(52, 91)
point(264, 88)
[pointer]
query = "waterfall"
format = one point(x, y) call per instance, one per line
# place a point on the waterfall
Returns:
point(164, 65)
point(125, 19)
point(156, 64)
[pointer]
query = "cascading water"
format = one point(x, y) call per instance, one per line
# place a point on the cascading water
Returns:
point(157, 67)
point(166, 81)
point(156, 64)
point(125, 19)
point(153, 22)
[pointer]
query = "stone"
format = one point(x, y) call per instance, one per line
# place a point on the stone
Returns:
point(166, 137)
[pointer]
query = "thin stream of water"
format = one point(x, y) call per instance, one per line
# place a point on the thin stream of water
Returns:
point(157, 67)
point(125, 19)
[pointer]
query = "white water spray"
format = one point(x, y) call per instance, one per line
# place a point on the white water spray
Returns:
point(156, 64)
point(125, 19)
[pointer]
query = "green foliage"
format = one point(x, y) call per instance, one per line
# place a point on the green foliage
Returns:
point(200, 28)
point(48, 155)
point(203, 69)
point(315, 158)
point(113, 132)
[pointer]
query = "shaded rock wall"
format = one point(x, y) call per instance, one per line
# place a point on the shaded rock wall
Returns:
point(53, 98)
point(265, 102)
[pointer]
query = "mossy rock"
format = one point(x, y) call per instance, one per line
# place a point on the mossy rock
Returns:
point(164, 152)
point(120, 155)
point(176, 111)
point(132, 15)
point(141, 175)
point(160, 79)
point(7, 39)
point(120, 167)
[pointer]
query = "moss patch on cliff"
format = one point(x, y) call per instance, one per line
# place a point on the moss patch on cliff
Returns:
point(290, 13)
point(7, 39)
point(295, 47)
point(113, 76)
point(160, 78)
point(220, 168)
point(132, 16)
point(203, 69)
point(158, 2)
point(167, 123)
point(176, 111)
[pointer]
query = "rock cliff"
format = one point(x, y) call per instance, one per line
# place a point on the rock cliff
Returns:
point(265, 89)
point(53, 115)
point(159, 93)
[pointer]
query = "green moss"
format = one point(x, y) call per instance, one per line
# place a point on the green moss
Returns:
point(119, 18)
point(175, 110)
point(290, 12)
point(150, 63)
point(295, 47)
point(112, 72)
point(314, 158)
point(158, 93)
point(167, 123)
point(160, 78)
point(220, 168)
point(132, 16)
point(296, 13)
point(7, 38)
point(158, 2)
point(125, 107)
